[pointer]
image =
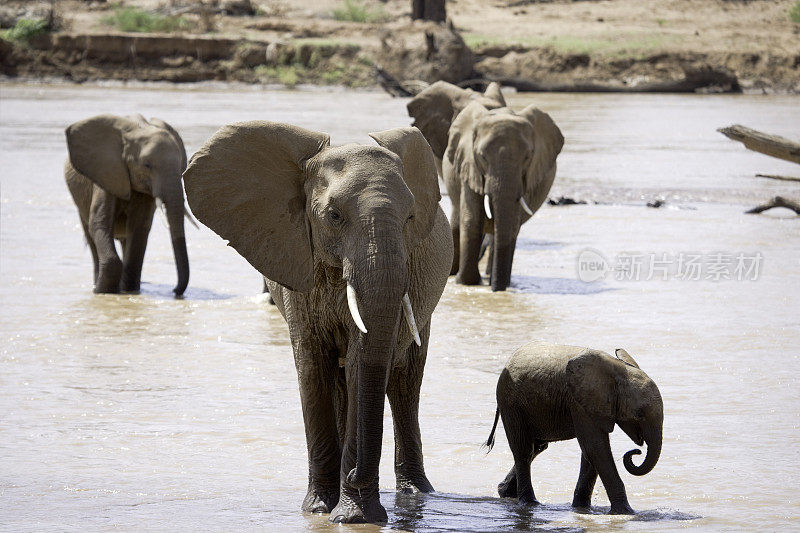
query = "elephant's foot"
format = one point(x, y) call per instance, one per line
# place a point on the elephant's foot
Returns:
point(469, 278)
point(621, 508)
point(413, 484)
point(358, 507)
point(528, 498)
point(130, 287)
point(108, 280)
point(320, 500)
point(582, 502)
point(508, 487)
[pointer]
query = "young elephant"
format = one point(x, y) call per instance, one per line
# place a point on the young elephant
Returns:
point(118, 169)
point(356, 251)
point(551, 392)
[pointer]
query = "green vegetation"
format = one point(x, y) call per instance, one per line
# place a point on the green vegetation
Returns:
point(794, 12)
point(357, 11)
point(134, 19)
point(285, 74)
point(25, 29)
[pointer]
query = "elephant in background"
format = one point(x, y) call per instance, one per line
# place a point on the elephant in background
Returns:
point(357, 252)
point(550, 392)
point(498, 167)
point(435, 108)
point(117, 171)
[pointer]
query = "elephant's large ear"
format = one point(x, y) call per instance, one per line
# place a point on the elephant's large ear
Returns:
point(547, 144)
point(592, 385)
point(95, 150)
point(246, 184)
point(419, 173)
point(625, 357)
point(461, 146)
point(434, 109)
point(161, 124)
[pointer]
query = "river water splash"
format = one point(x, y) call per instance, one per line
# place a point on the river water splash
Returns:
point(148, 413)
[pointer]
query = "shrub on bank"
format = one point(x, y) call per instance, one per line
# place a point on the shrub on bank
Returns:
point(25, 29)
point(794, 12)
point(133, 19)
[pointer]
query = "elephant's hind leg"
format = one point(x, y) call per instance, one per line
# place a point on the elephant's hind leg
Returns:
point(524, 448)
point(403, 393)
point(582, 498)
point(508, 487)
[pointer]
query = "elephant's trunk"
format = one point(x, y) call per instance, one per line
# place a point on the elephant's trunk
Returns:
point(379, 280)
point(506, 227)
point(175, 215)
point(652, 437)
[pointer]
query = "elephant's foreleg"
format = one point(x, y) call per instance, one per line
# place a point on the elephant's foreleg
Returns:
point(403, 392)
point(595, 446)
point(355, 505)
point(470, 237)
point(137, 229)
point(101, 230)
point(316, 374)
point(582, 497)
point(488, 244)
point(93, 249)
point(454, 227)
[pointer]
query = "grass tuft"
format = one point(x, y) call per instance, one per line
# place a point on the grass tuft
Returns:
point(794, 12)
point(25, 29)
point(133, 19)
point(358, 11)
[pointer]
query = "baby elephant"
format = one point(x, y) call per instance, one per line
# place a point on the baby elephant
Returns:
point(550, 392)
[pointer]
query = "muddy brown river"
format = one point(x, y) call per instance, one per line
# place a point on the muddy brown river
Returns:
point(149, 413)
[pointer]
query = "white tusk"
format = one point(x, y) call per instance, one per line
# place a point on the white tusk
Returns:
point(163, 211)
point(487, 207)
point(190, 218)
point(525, 206)
point(410, 318)
point(352, 304)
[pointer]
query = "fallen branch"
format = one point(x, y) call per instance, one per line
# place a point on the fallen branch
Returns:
point(774, 177)
point(771, 145)
point(778, 201)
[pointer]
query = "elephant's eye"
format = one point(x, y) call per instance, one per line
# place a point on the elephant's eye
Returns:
point(148, 166)
point(334, 216)
point(411, 217)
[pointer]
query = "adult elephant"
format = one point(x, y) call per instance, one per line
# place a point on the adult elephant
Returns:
point(435, 108)
point(357, 253)
point(498, 166)
point(118, 169)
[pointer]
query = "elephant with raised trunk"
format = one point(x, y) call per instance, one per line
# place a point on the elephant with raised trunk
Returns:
point(118, 170)
point(551, 392)
point(498, 167)
point(356, 252)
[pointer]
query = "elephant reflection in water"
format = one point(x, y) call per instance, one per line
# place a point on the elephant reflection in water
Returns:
point(550, 392)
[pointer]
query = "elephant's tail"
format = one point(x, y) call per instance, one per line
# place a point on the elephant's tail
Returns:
point(489, 444)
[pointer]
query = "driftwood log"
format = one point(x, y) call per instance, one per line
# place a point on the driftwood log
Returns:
point(771, 145)
point(778, 201)
point(764, 143)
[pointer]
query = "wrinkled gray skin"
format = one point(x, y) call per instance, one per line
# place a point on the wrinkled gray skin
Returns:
point(551, 392)
point(313, 220)
point(117, 167)
point(491, 151)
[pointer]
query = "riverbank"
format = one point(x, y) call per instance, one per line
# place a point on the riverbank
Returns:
point(618, 45)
